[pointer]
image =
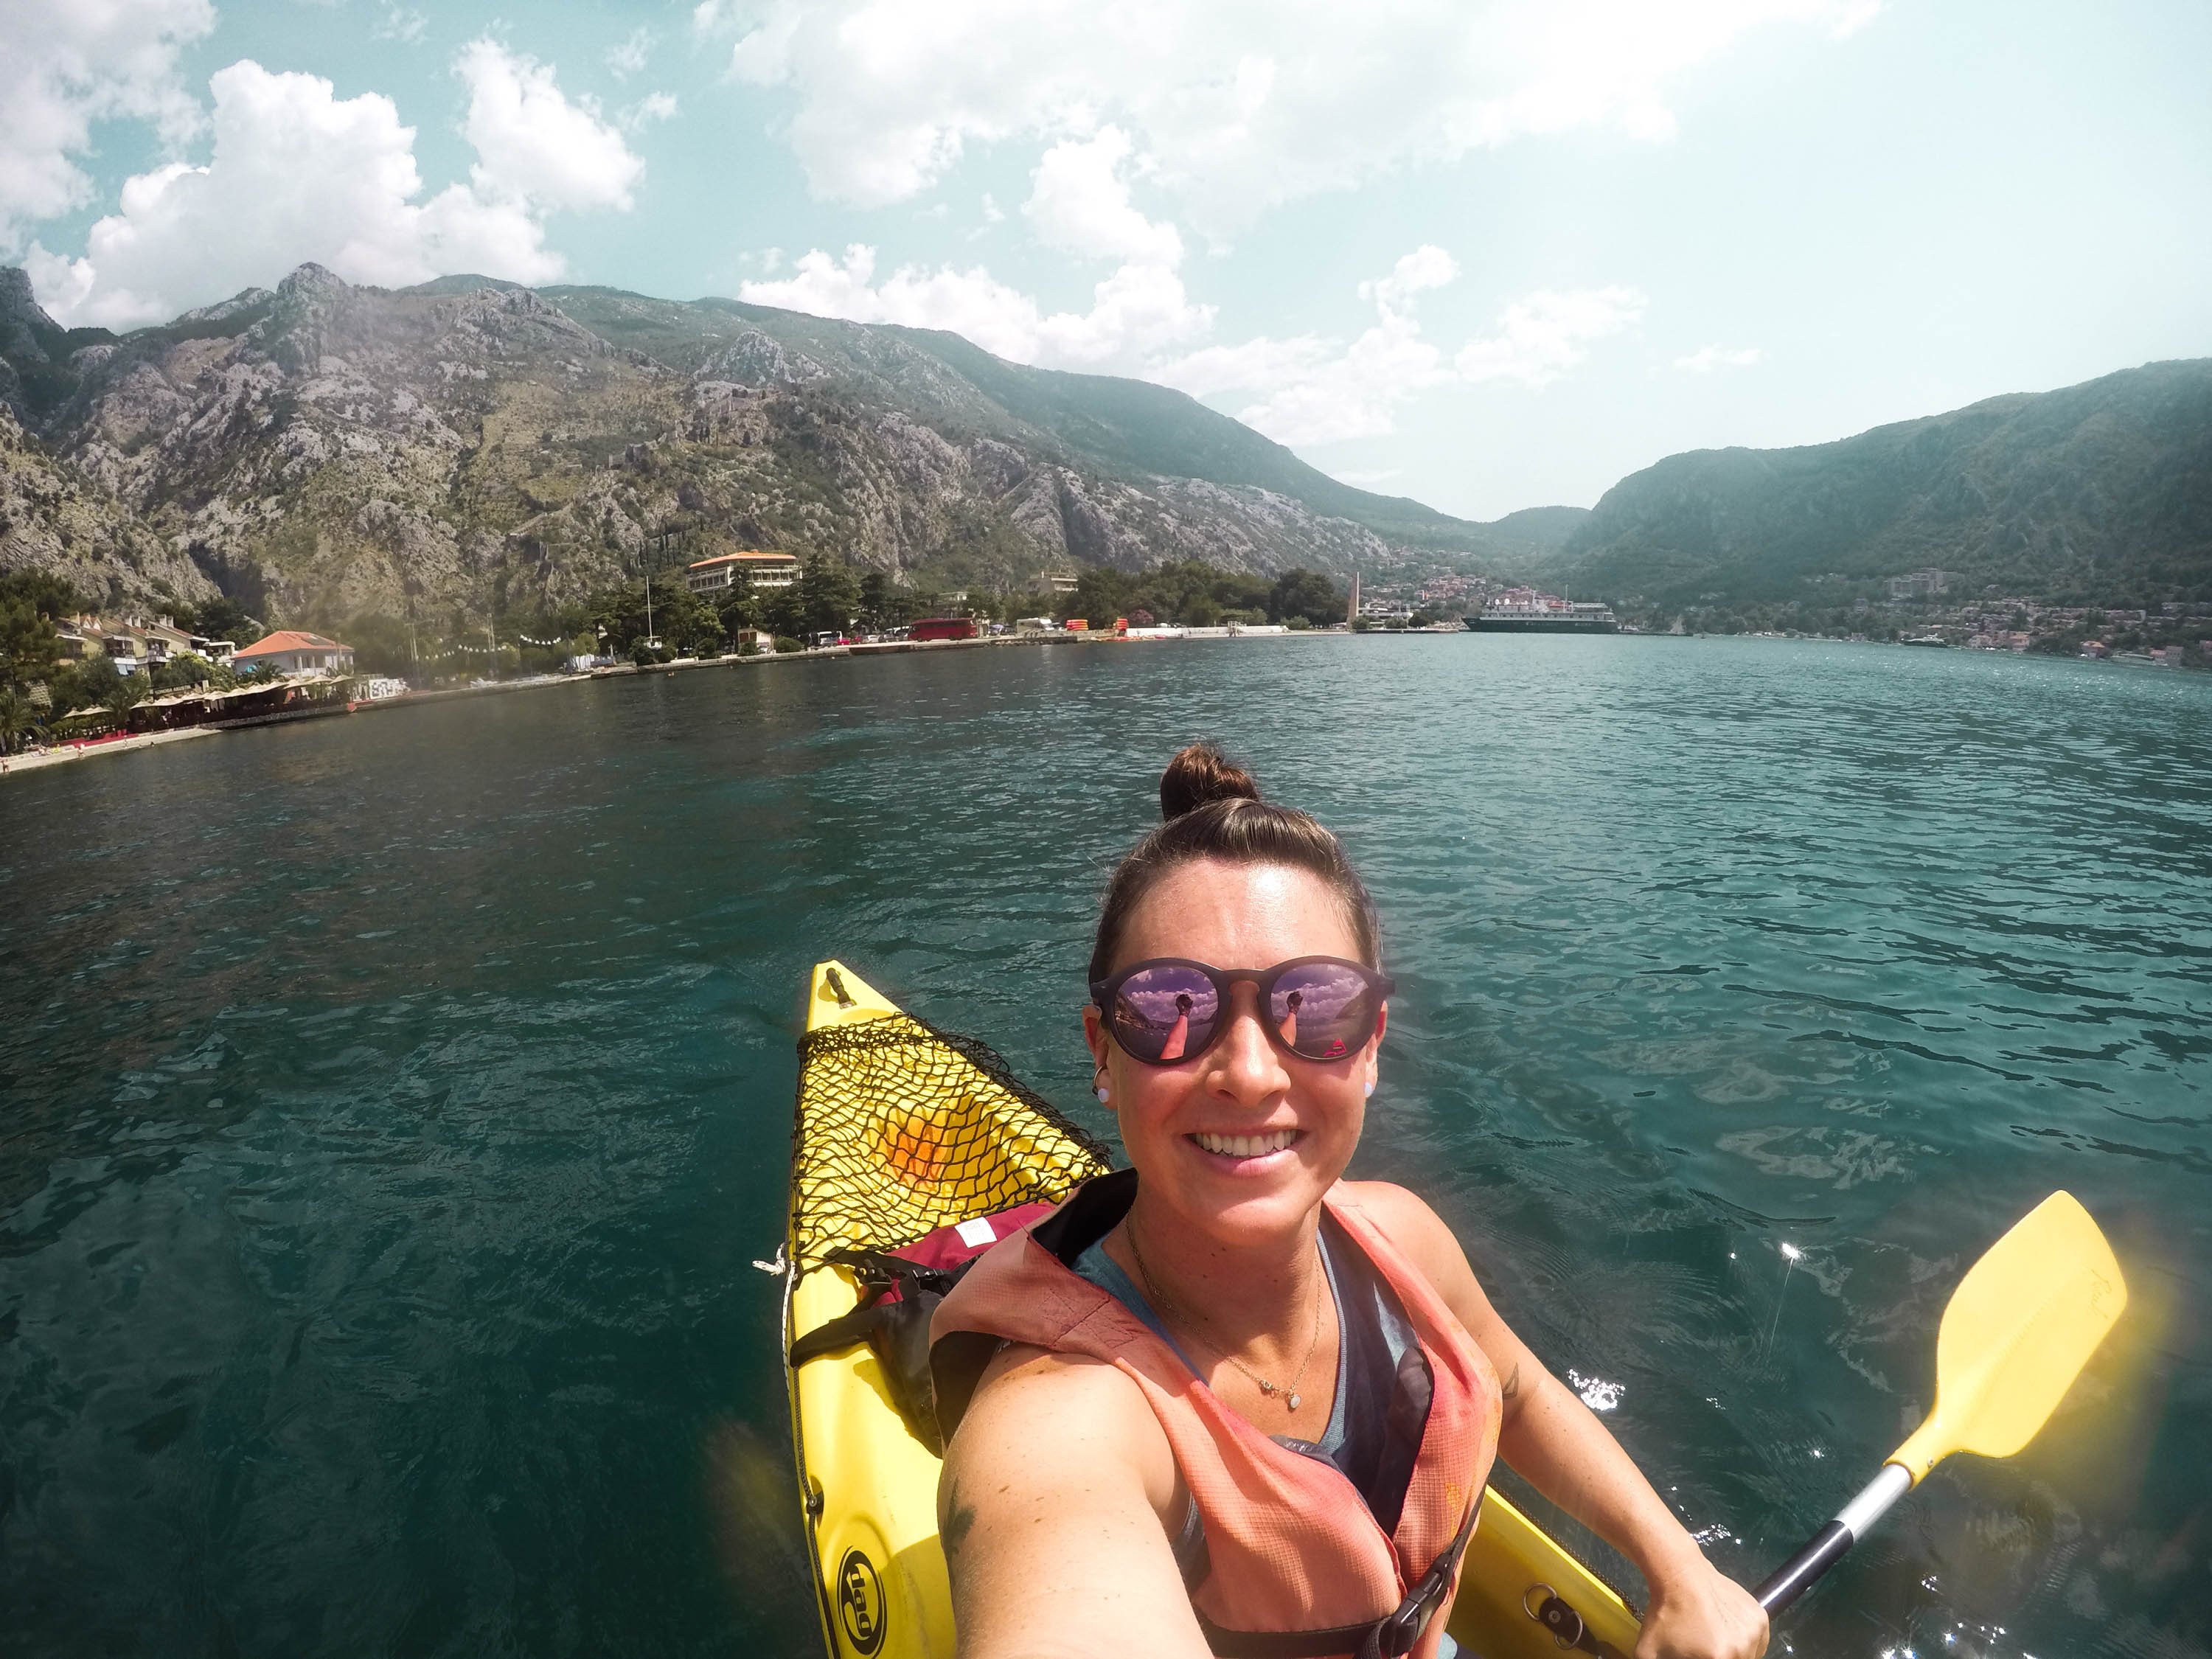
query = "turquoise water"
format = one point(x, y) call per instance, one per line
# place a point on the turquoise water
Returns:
point(394, 1106)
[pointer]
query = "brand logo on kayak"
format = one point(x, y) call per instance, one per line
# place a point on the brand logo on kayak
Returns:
point(860, 1603)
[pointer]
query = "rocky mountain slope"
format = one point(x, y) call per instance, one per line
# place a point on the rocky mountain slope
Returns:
point(2098, 492)
point(322, 450)
point(55, 520)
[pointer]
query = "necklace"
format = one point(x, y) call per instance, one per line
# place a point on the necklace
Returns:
point(1292, 1401)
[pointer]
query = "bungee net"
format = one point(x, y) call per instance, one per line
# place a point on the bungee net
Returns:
point(902, 1129)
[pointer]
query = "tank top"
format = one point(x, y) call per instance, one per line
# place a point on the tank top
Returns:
point(1374, 1339)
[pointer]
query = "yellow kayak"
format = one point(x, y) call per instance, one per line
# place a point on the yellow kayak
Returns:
point(903, 1131)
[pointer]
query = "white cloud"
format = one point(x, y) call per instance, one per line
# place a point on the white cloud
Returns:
point(1426, 267)
point(67, 64)
point(1317, 393)
point(1079, 201)
point(628, 58)
point(535, 144)
point(1258, 363)
point(1352, 396)
point(298, 173)
point(1706, 359)
point(1138, 310)
point(1242, 105)
point(653, 107)
point(1542, 336)
point(402, 24)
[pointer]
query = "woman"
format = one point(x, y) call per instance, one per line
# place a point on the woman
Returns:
point(1356, 1381)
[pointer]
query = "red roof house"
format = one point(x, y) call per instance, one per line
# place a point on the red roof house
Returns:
point(292, 651)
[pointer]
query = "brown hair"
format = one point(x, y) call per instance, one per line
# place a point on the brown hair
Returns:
point(1212, 810)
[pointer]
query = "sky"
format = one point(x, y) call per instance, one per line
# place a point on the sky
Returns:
point(1490, 255)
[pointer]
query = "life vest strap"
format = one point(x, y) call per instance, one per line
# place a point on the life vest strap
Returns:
point(1394, 1634)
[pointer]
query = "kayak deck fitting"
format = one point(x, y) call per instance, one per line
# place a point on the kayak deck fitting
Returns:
point(901, 1131)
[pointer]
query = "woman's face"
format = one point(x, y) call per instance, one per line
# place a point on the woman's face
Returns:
point(1179, 1123)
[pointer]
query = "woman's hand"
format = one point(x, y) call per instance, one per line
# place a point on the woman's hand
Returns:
point(1699, 1612)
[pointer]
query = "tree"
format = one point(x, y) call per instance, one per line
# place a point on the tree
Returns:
point(678, 616)
point(829, 595)
point(87, 684)
point(127, 691)
point(381, 644)
point(783, 611)
point(740, 610)
point(1101, 594)
point(185, 670)
point(32, 604)
point(1305, 593)
point(223, 618)
point(878, 597)
point(16, 717)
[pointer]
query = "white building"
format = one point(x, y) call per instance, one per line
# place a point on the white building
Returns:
point(725, 571)
point(293, 651)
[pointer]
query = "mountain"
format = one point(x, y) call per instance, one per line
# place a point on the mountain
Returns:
point(319, 449)
point(322, 449)
point(2100, 490)
point(53, 519)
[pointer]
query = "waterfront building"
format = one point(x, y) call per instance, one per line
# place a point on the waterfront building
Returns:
point(294, 651)
point(748, 569)
point(133, 643)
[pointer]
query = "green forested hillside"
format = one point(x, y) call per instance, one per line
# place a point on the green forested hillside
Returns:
point(2100, 493)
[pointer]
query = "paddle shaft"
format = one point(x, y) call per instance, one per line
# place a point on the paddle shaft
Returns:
point(1826, 1547)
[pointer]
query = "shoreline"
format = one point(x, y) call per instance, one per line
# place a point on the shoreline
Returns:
point(10, 764)
point(64, 753)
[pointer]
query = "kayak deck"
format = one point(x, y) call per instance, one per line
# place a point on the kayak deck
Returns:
point(903, 1130)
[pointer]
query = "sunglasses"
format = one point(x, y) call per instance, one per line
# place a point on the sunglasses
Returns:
point(1168, 1009)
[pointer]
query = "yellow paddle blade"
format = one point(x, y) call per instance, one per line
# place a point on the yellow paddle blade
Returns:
point(2020, 1326)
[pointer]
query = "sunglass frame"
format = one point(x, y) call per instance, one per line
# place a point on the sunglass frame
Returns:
point(1379, 989)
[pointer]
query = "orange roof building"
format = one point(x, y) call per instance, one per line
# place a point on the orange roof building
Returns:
point(293, 651)
point(752, 569)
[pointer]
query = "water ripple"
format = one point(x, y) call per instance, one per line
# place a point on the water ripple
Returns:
point(391, 1118)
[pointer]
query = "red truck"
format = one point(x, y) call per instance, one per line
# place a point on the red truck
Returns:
point(943, 627)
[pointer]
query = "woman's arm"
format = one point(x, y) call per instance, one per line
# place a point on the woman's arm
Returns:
point(1556, 1443)
point(1050, 1509)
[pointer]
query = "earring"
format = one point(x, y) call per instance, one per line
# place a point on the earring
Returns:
point(1371, 1091)
point(1102, 1093)
point(1098, 1086)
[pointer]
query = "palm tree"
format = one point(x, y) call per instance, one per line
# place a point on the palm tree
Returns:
point(16, 718)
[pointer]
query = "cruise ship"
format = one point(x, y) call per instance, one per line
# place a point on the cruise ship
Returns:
point(1525, 611)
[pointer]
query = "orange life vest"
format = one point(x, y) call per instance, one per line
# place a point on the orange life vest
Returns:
point(1295, 1559)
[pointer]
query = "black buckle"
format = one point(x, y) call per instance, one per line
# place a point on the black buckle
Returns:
point(1397, 1634)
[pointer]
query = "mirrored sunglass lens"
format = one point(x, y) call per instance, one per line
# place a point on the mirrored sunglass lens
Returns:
point(1322, 1010)
point(1165, 1013)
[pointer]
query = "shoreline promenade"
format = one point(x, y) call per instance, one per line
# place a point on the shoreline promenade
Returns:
point(63, 753)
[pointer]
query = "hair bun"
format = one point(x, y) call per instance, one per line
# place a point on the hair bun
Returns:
point(1200, 775)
